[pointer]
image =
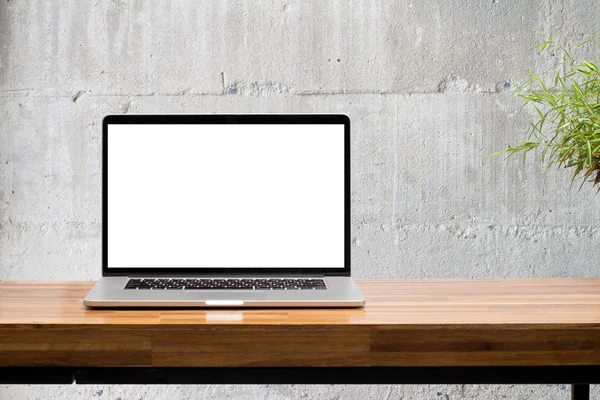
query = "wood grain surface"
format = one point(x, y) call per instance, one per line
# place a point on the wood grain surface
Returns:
point(404, 323)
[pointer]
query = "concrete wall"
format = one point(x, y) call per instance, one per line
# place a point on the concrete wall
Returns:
point(426, 86)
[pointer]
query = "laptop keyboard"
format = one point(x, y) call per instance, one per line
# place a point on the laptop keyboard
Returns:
point(229, 284)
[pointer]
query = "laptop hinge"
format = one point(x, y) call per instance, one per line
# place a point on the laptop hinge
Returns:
point(196, 275)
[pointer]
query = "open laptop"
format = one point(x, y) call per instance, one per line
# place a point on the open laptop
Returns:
point(225, 211)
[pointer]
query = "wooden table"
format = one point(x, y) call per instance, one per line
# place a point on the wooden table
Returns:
point(450, 331)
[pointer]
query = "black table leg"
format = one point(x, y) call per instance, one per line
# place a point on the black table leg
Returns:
point(580, 392)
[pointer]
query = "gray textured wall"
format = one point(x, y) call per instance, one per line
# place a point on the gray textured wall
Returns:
point(424, 82)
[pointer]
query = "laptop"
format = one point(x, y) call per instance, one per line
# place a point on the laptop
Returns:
point(225, 211)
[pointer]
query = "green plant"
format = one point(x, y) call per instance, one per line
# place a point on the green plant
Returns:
point(566, 126)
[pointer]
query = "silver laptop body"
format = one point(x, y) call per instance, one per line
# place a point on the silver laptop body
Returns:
point(225, 211)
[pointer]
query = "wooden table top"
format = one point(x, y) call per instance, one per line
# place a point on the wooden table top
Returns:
point(404, 323)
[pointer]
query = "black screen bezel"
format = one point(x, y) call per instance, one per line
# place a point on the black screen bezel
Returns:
point(334, 119)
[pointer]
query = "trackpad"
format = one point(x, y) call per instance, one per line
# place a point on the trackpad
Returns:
point(228, 296)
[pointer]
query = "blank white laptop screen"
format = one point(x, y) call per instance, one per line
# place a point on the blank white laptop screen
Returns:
point(225, 196)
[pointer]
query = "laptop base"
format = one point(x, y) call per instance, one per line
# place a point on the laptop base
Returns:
point(110, 292)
